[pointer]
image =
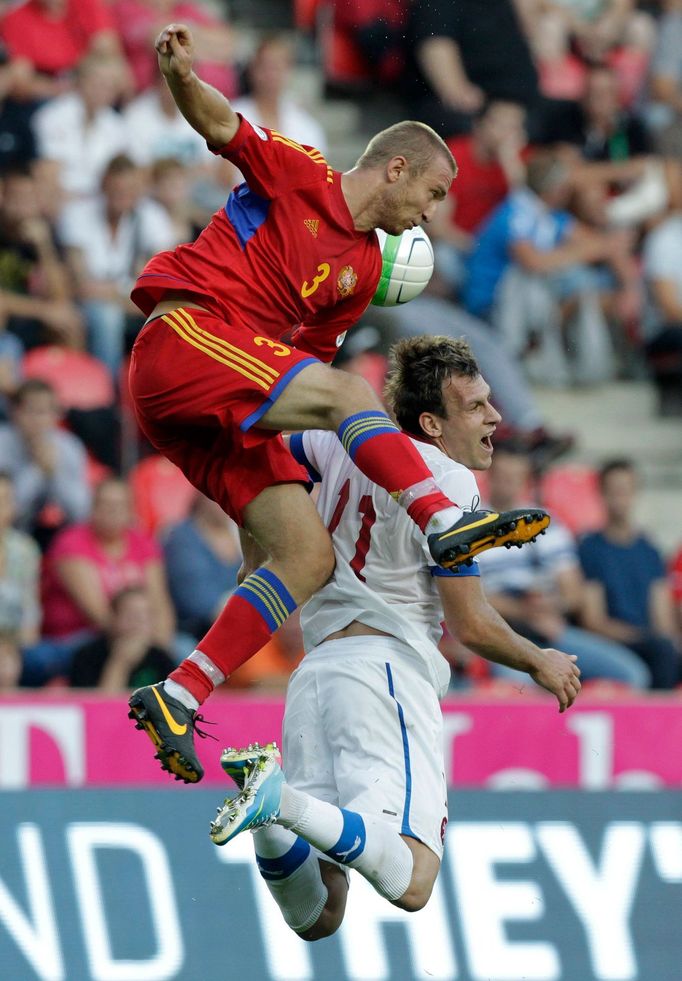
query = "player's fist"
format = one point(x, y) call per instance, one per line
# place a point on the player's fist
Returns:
point(559, 674)
point(175, 50)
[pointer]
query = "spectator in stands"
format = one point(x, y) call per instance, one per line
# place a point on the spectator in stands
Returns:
point(80, 129)
point(89, 563)
point(462, 53)
point(268, 103)
point(662, 262)
point(170, 186)
point(52, 36)
point(539, 590)
point(125, 655)
point(157, 130)
point(108, 239)
point(140, 22)
point(628, 597)
point(597, 31)
point(17, 145)
point(490, 163)
point(202, 557)
point(536, 273)
point(10, 661)
point(617, 151)
point(19, 567)
point(35, 292)
point(664, 113)
point(47, 464)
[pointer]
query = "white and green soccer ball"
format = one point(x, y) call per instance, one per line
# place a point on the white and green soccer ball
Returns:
point(407, 266)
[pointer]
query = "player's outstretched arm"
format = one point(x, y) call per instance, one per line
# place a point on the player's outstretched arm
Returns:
point(478, 625)
point(204, 108)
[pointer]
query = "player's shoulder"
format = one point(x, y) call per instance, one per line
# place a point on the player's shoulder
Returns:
point(453, 478)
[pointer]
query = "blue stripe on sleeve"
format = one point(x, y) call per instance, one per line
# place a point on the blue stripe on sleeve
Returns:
point(297, 450)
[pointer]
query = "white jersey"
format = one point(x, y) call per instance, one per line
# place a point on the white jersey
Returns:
point(384, 570)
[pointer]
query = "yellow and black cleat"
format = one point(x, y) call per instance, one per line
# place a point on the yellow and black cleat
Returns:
point(478, 531)
point(171, 726)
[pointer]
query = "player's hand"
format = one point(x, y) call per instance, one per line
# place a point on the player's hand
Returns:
point(559, 674)
point(175, 50)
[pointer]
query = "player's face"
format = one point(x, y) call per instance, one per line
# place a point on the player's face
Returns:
point(470, 422)
point(412, 200)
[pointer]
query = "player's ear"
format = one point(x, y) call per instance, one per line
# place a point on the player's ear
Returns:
point(395, 167)
point(430, 425)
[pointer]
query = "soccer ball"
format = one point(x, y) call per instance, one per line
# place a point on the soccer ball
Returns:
point(407, 266)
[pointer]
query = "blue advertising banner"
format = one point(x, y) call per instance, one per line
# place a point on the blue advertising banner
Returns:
point(116, 885)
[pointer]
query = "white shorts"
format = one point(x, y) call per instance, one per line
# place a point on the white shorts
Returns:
point(363, 730)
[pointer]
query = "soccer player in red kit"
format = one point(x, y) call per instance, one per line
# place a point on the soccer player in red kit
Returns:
point(239, 325)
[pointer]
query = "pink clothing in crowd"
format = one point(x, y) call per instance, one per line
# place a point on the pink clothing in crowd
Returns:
point(136, 20)
point(61, 616)
point(54, 43)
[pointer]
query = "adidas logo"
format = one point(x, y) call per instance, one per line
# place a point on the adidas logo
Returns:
point(312, 224)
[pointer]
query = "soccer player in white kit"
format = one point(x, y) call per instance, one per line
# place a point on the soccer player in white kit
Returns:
point(362, 735)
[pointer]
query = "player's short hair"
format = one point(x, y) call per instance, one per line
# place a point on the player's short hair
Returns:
point(415, 141)
point(419, 366)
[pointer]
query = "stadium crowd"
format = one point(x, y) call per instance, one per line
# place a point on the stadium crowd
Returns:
point(559, 256)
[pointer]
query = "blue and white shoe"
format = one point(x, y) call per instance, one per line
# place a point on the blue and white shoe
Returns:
point(257, 806)
point(239, 763)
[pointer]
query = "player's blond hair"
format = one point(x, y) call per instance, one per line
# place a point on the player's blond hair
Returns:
point(418, 368)
point(415, 141)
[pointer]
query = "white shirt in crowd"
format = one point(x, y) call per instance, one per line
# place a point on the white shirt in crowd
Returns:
point(662, 260)
point(114, 257)
point(83, 149)
point(152, 135)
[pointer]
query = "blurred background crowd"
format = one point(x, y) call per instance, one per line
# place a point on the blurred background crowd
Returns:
point(559, 256)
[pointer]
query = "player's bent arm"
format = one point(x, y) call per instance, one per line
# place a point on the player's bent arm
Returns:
point(205, 109)
point(472, 619)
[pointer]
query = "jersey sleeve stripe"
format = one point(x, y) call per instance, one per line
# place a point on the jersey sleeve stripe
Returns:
point(297, 450)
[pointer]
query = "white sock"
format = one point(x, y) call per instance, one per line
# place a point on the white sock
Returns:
point(371, 846)
point(181, 694)
point(291, 871)
point(442, 520)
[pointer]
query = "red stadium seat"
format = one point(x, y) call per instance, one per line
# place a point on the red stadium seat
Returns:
point(80, 381)
point(571, 494)
point(161, 493)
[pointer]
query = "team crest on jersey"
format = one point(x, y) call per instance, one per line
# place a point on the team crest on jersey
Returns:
point(313, 225)
point(347, 281)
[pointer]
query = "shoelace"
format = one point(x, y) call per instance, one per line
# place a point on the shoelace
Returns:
point(204, 722)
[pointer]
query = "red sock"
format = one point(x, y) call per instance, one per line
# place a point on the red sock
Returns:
point(389, 458)
point(251, 615)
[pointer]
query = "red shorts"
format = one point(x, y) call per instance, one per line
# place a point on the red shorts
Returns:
point(198, 386)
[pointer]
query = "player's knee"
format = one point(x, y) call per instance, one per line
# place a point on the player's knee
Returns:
point(326, 926)
point(318, 558)
point(415, 898)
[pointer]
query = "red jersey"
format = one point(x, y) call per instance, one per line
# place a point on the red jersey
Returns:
point(479, 187)
point(283, 252)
